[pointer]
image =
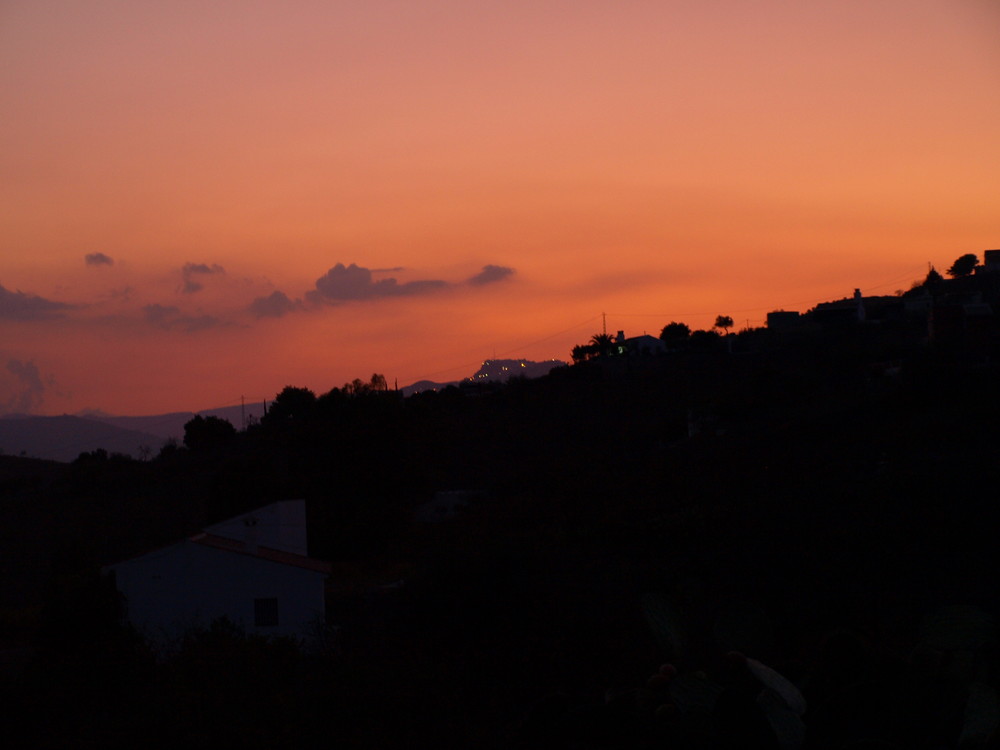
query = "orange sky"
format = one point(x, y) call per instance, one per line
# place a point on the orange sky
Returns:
point(654, 160)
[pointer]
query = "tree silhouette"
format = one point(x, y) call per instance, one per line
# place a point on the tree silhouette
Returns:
point(359, 387)
point(582, 352)
point(356, 387)
point(933, 279)
point(674, 333)
point(963, 266)
point(205, 432)
point(725, 322)
point(291, 405)
point(602, 343)
point(702, 340)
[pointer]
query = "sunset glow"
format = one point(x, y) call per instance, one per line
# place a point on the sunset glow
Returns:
point(200, 202)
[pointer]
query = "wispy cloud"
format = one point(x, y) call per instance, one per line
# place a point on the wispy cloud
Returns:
point(32, 389)
point(191, 272)
point(98, 259)
point(20, 306)
point(491, 274)
point(169, 318)
point(123, 294)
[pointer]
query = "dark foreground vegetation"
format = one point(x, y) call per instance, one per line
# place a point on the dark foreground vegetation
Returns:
point(823, 504)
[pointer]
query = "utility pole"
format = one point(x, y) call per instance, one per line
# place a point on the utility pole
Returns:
point(604, 317)
point(243, 413)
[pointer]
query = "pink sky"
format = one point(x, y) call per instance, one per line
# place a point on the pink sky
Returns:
point(657, 161)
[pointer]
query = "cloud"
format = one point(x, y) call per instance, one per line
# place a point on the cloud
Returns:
point(124, 294)
point(168, 318)
point(202, 268)
point(353, 282)
point(275, 305)
point(21, 306)
point(191, 271)
point(159, 315)
point(32, 389)
point(98, 259)
point(491, 274)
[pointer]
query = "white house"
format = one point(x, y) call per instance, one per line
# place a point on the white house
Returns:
point(252, 569)
point(638, 345)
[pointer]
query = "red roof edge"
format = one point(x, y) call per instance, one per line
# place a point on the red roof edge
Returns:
point(263, 553)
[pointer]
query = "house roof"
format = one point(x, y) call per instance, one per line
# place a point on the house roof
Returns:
point(264, 553)
point(851, 303)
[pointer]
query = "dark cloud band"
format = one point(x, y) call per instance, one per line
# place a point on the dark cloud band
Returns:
point(343, 283)
point(491, 274)
point(191, 271)
point(275, 305)
point(354, 283)
point(21, 306)
point(98, 259)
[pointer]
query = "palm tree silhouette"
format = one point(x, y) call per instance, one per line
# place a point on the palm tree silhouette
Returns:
point(602, 343)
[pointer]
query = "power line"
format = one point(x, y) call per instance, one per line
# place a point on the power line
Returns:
point(908, 274)
point(769, 308)
point(552, 336)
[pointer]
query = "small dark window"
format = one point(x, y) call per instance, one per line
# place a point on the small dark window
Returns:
point(265, 613)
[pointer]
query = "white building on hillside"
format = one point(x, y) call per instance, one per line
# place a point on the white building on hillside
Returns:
point(252, 569)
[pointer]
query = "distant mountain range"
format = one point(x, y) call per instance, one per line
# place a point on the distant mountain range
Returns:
point(64, 438)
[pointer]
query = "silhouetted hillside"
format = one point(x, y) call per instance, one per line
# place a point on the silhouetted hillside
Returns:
point(770, 497)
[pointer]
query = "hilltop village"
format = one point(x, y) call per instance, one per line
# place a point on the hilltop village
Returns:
point(955, 315)
point(774, 537)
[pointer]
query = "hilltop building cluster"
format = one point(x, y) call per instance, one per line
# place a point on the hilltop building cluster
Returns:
point(959, 313)
point(960, 310)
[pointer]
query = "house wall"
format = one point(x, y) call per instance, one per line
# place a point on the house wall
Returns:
point(644, 345)
point(190, 584)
